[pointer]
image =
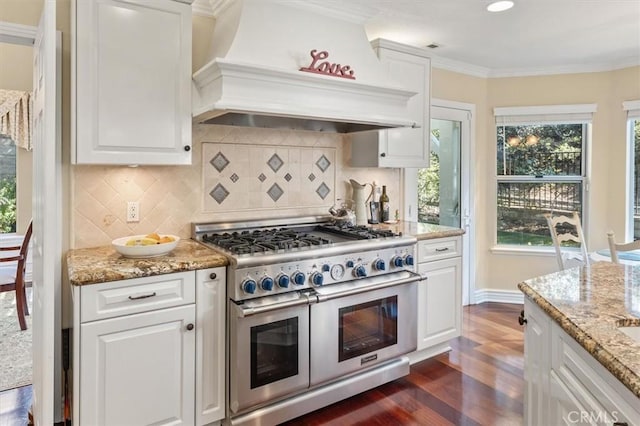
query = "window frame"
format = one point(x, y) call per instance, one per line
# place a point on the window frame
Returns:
point(543, 115)
point(633, 114)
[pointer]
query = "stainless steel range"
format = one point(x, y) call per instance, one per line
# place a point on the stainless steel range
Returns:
point(317, 312)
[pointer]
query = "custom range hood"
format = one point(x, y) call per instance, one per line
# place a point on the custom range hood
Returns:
point(256, 74)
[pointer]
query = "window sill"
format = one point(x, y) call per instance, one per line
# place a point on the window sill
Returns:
point(524, 251)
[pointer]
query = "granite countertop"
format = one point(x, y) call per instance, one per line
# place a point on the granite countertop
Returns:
point(103, 264)
point(589, 303)
point(422, 231)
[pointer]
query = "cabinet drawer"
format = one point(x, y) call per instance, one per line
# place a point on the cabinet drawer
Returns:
point(113, 299)
point(440, 248)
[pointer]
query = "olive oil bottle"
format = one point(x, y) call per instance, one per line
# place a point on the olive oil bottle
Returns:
point(384, 205)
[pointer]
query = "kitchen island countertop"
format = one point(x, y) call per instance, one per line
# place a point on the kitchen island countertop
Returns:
point(422, 231)
point(589, 303)
point(103, 264)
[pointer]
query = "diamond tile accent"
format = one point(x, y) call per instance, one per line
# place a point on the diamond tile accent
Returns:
point(288, 177)
point(312, 177)
point(219, 162)
point(323, 163)
point(219, 193)
point(275, 162)
point(262, 177)
point(234, 177)
point(323, 190)
point(275, 192)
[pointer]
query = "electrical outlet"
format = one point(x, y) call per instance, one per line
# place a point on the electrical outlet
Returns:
point(133, 211)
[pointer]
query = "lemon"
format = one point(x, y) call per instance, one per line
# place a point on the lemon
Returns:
point(142, 242)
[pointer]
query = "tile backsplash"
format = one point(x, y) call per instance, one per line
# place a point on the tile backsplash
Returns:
point(236, 174)
point(243, 177)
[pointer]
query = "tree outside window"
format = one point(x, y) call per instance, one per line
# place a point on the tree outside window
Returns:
point(540, 169)
point(7, 185)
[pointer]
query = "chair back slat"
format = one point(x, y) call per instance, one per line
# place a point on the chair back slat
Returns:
point(614, 247)
point(564, 229)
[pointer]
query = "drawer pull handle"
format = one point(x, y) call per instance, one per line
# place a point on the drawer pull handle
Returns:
point(620, 424)
point(213, 276)
point(442, 249)
point(189, 326)
point(144, 296)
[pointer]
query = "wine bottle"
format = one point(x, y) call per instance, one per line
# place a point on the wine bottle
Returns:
point(384, 205)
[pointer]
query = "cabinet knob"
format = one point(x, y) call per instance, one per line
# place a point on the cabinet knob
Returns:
point(187, 148)
point(190, 326)
point(521, 319)
point(213, 276)
point(384, 154)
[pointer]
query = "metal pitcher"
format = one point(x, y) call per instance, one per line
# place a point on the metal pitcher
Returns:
point(360, 197)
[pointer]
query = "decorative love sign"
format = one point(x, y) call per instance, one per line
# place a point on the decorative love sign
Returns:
point(320, 66)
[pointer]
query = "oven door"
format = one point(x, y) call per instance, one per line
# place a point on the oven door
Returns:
point(268, 348)
point(360, 324)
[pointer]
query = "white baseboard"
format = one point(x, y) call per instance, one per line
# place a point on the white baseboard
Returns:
point(501, 296)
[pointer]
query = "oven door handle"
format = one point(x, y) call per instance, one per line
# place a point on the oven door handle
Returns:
point(247, 310)
point(413, 277)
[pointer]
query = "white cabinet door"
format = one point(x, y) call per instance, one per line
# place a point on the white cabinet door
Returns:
point(138, 369)
point(403, 147)
point(132, 82)
point(537, 364)
point(439, 302)
point(210, 345)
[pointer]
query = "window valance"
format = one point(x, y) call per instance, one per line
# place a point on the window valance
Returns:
point(632, 108)
point(545, 114)
point(15, 116)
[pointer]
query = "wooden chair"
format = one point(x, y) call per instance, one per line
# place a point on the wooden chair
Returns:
point(15, 280)
point(567, 228)
point(614, 247)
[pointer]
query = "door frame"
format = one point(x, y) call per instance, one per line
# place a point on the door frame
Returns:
point(48, 386)
point(465, 113)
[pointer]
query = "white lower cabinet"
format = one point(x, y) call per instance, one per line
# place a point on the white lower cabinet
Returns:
point(440, 294)
point(146, 353)
point(565, 385)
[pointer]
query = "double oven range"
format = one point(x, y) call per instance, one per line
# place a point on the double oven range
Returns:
point(317, 312)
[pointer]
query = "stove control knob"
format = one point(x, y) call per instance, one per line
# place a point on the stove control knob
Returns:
point(326, 267)
point(360, 271)
point(266, 283)
point(282, 280)
point(397, 261)
point(248, 286)
point(317, 279)
point(297, 278)
point(350, 264)
point(379, 265)
point(408, 259)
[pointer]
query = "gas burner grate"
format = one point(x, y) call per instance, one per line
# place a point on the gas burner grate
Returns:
point(259, 241)
point(359, 231)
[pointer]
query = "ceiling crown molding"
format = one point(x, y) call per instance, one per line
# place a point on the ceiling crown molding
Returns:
point(346, 12)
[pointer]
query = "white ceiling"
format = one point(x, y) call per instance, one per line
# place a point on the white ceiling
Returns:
point(534, 37)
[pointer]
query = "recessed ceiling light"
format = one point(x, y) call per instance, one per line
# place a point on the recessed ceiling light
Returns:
point(499, 6)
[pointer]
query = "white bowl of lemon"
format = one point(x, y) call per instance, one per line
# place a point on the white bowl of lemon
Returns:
point(149, 245)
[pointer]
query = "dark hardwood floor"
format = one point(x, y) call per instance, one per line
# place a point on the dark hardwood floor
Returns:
point(479, 382)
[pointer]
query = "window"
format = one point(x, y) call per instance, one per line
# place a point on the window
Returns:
point(7, 184)
point(540, 169)
point(633, 138)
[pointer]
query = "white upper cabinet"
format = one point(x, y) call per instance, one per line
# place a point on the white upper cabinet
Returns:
point(402, 147)
point(131, 82)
